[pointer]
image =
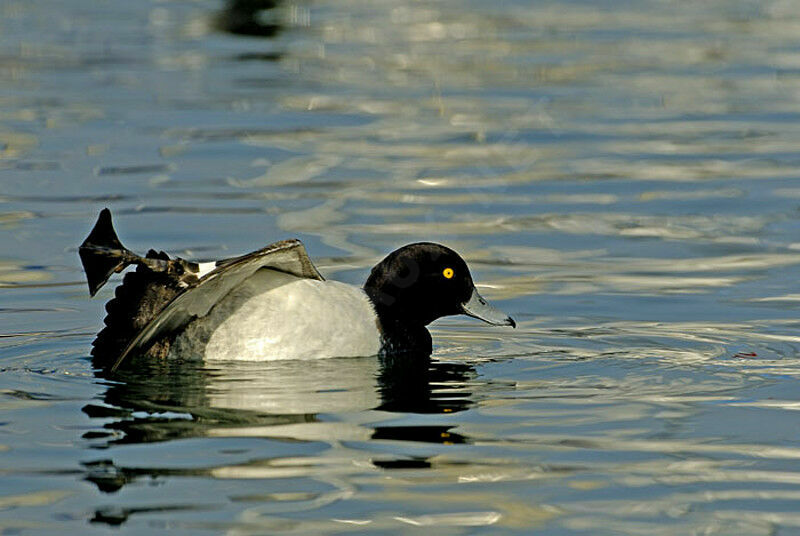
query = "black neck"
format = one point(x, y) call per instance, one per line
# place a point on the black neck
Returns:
point(401, 333)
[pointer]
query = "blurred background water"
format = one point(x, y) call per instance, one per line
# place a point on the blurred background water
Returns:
point(621, 177)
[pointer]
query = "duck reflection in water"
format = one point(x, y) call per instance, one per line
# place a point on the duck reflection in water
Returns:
point(327, 400)
point(165, 400)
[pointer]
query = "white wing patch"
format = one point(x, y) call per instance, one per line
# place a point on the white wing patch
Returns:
point(273, 316)
point(204, 268)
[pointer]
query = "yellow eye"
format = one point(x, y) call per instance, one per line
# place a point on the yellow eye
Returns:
point(448, 273)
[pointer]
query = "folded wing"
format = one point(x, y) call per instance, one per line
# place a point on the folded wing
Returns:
point(287, 256)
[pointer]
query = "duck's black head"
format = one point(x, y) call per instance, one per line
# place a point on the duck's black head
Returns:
point(418, 283)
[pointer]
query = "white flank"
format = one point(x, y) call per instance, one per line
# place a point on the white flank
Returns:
point(274, 316)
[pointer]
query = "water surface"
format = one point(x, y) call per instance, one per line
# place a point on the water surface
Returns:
point(620, 176)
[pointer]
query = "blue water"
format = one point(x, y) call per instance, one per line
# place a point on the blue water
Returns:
point(620, 176)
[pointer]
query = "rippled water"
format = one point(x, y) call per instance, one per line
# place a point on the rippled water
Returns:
point(621, 177)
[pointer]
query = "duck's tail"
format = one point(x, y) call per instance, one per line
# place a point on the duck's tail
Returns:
point(102, 254)
point(140, 297)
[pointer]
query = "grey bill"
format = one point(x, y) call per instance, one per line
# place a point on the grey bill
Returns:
point(477, 307)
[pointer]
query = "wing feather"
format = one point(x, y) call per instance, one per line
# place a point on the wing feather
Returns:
point(286, 256)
